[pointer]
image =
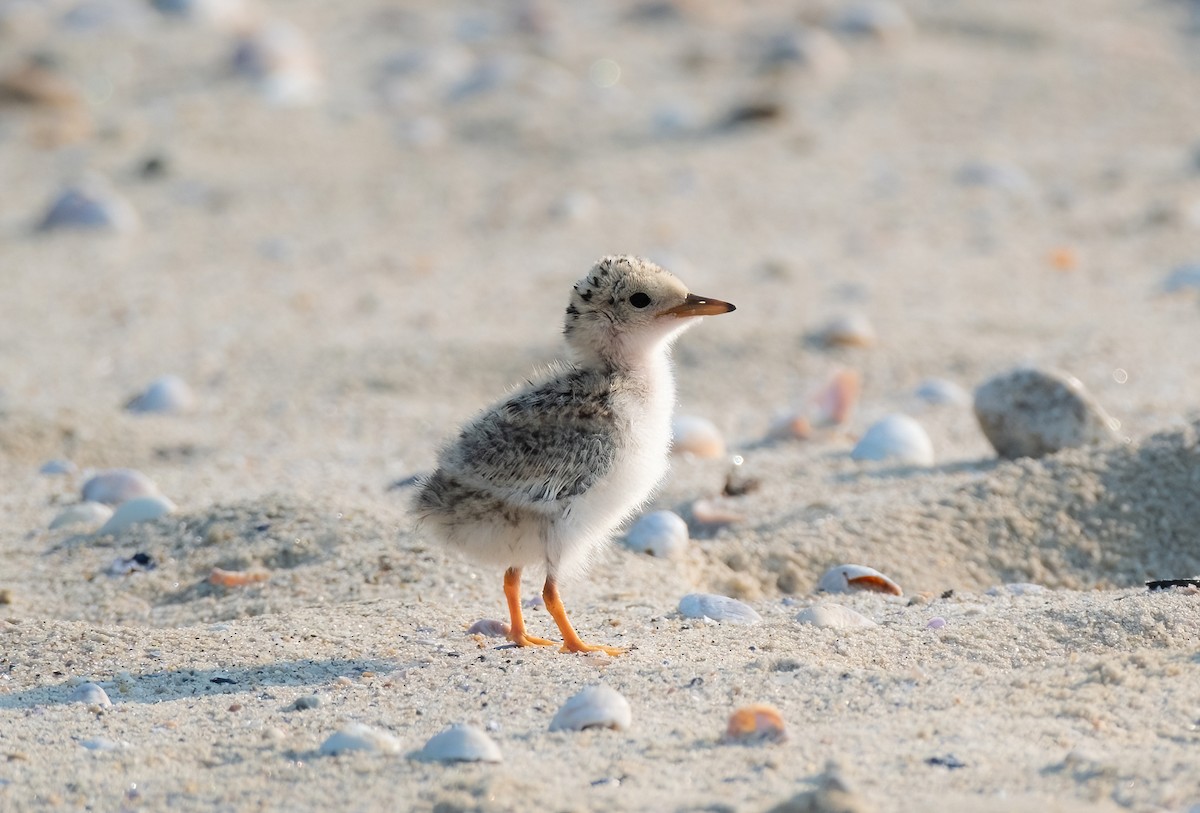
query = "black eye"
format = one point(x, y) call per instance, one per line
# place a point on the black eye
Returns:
point(639, 300)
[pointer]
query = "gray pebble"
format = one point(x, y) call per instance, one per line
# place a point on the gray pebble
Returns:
point(1031, 413)
point(309, 701)
point(90, 694)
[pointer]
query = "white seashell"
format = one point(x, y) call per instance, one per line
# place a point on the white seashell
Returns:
point(851, 330)
point(717, 608)
point(489, 627)
point(91, 695)
point(659, 533)
point(853, 578)
point(833, 616)
point(1031, 413)
point(595, 707)
point(460, 743)
point(360, 737)
point(696, 436)
point(58, 467)
point(115, 486)
point(1184, 278)
point(897, 438)
point(100, 744)
point(278, 57)
point(90, 205)
point(139, 509)
point(939, 391)
point(91, 514)
point(168, 394)
point(875, 19)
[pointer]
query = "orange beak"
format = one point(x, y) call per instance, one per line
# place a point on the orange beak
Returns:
point(699, 306)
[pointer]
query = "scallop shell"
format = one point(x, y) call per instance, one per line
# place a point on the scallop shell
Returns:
point(139, 509)
point(595, 707)
point(851, 578)
point(896, 438)
point(168, 395)
point(718, 608)
point(91, 695)
point(696, 436)
point(115, 486)
point(489, 627)
point(659, 533)
point(460, 743)
point(90, 514)
point(1031, 413)
point(752, 725)
point(851, 330)
point(834, 616)
point(359, 737)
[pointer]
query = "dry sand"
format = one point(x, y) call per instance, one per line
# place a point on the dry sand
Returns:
point(343, 282)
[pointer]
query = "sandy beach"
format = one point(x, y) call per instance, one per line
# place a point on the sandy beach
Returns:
point(346, 228)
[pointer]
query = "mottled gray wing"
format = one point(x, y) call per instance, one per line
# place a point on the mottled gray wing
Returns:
point(542, 446)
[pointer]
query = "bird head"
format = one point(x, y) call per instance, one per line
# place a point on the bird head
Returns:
point(627, 307)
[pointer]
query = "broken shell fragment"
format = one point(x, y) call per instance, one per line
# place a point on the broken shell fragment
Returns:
point(754, 725)
point(850, 578)
point(597, 706)
point(659, 533)
point(237, 578)
point(833, 616)
point(712, 512)
point(359, 737)
point(138, 509)
point(489, 627)
point(717, 608)
point(169, 394)
point(699, 437)
point(1031, 413)
point(89, 514)
point(897, 438)
point(460, 743)
point(115, 486)
point(834, 403)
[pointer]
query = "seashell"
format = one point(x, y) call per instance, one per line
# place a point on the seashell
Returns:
point(237, 578)
point(139, 509)
point(91, 695)
point(696, 436)
point(876, 19)
point(712, 512)
point(90, 514)
point(597, 706)
point(460, 743)
point(277, 56)
point(99, 744)
point(359, 737)
point(896, 438)
point(659, 533)
point(717, 608)
point(754, 725)
point(489, 627)
point(811, 50)
point(115, 486)
point(851, 578)
point(851, 330)
point(833, 616)
point(790, 426)
point(168, 394)
point(1183, 278)
point(936, 623)
point(1031, 413)
point(939, 391)
point(90, 205)
point(51, 467)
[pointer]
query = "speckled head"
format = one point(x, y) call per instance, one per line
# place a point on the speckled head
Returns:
point(626, 307)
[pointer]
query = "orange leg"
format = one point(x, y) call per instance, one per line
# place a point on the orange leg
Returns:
point(512, 591)
point(571, 640)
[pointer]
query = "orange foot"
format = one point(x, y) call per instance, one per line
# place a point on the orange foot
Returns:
point(521, 639)
point(579, 646)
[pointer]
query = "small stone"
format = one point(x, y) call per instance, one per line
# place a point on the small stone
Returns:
point(850, 330)
point(139, 509)
point(659, 533)
point(308, 701)
point(896, 438)
point(460, 743)
point(53, 467)
point(695, 436)
point(834, 616)
point(91, 695)
point(167, 395)
point(1182, 278)
point(360, 737)
point(115, 486)
point(489, 627)
point(880, 20)
point(941, 392)
point(717, 608)
point(278, 57)
point(99, 744)
point(597, 706)
point(90, 205)
point(1032, 413)
point(87, 515)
